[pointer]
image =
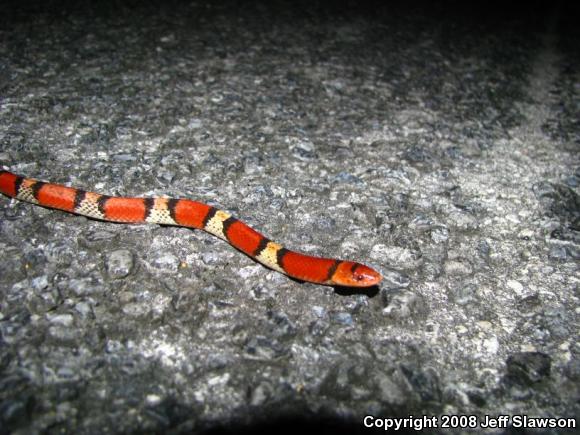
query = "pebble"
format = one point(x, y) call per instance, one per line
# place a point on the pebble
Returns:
point(83, 308)
point(319, 311)
point(516, 286)
point(401, 305)
point(119, 263)
point(343, 318)
point(167, 262)
point(40, 282)
point(458, 267)
point(60, 319)
point(393, 279)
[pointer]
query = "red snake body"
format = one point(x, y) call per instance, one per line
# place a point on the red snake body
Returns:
point(187, 213)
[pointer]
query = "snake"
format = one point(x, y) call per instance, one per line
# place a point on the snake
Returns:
point(191, 214)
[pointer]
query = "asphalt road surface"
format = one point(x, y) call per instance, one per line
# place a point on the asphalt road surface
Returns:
point(439, 144)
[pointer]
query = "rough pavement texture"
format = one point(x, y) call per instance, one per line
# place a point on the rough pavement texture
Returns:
point(439, 145)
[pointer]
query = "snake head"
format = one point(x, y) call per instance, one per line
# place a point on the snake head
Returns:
point(351, 274)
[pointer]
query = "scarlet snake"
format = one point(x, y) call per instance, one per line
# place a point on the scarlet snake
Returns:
point(187, 213)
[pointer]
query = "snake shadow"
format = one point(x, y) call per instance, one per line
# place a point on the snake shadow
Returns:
point(371, 292)
point(340, 290)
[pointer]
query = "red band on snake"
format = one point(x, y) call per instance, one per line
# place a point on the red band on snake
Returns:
point(187, 213)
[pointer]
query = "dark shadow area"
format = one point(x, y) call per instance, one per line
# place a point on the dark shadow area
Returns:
point(298, 424)
point(502, 13)
point(295, 425)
